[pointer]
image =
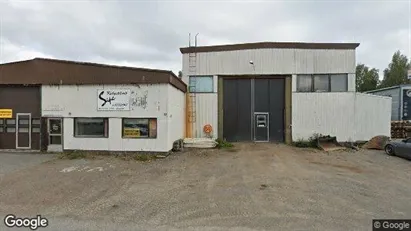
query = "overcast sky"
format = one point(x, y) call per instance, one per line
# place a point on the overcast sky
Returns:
point(149, 33)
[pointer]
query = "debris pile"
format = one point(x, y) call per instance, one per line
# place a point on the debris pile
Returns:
point(377, 142)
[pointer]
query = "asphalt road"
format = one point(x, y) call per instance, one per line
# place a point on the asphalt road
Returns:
point(255, 187)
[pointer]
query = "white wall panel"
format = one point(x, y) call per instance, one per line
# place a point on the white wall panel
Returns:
point(349, 116)
point(206, 113)
point(372, 116)
point(161, 101)
point(272, 61)
point(176, 115)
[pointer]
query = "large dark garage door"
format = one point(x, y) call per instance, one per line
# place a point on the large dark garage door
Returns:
point(253, 109)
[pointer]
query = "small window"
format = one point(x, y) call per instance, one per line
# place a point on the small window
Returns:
point(201, 84)
point(35, 130)
point(11, 129)
point(304, 83)
point(35, 121)
point(10, 121)
point(1, 122)
point(23, 121)
point(339, 83)
point(23, 130)
point(91, 127)
point(139, 128)
point(321, 83)
point(1, 129)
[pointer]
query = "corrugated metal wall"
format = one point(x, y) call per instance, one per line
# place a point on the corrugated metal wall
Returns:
point(206, 113)
point(266, 61)
point(272, 61)
point(349, 116)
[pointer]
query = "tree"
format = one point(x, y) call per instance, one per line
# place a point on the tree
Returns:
point(396, 73)
point(180, 74)
point(366, 79)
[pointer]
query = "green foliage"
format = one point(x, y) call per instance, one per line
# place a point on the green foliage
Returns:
point(223, 144)
point(396, 73)
point(310, 143)
point(366, 79)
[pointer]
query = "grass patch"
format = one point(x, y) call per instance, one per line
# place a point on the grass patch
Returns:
point(310, 143)
point(223, 144)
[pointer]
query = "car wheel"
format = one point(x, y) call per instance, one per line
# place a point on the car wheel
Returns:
point(389, 149)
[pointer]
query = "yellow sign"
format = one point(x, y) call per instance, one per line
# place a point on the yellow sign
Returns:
point(131, 132)
point(6, 113)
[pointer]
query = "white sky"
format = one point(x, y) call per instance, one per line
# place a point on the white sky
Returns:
point(150, 33)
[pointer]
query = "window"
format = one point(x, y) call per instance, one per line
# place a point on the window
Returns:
point(201, 84)
point(35, 125)
point(322, 83)
point(339, 83)
point(10, 121)
point(90, 127)
point(1, 125)
point(304, 83)
point(139, 128)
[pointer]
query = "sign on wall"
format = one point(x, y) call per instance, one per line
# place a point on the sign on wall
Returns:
point(409, 74)
point(6, 113)
point(113, 100)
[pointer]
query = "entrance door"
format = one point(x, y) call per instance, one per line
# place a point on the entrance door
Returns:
point(237, 114)
point(55, 132)
point(269, 97)
point(23, 130)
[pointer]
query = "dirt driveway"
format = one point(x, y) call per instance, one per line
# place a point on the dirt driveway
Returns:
point(256, 187)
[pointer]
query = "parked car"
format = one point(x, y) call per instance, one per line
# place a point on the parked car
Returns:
point(401, 148)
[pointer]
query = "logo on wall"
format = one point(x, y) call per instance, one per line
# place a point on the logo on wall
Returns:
point(408, 93)
point(113, 100)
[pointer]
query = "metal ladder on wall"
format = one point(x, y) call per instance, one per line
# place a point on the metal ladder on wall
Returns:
point(192, 68)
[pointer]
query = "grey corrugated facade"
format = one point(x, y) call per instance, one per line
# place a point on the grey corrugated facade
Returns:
point(396, 93)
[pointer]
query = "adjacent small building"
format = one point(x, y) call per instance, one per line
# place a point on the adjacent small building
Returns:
point(58, 105)
point(279, 92)
point(401, 100)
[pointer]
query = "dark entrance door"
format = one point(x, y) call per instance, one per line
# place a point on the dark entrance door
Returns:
point(253, 109)
point(237, 110)
point(269, 97)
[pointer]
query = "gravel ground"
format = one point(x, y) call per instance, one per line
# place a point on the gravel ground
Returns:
point(10, 162)
point(253, 187)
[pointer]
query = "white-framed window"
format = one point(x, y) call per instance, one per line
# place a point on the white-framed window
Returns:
point(201, 84)
point(91, 127)
point(139, 128)
point(322, 83)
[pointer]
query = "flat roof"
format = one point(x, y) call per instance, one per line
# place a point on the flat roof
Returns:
point(265, 45)
point(43, 71)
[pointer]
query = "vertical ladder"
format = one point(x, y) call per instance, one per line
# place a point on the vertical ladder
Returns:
point(192, 71)
point(192, 61)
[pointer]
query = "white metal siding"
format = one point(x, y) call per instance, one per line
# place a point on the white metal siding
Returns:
point(272, 61)
point(396, 101)
point(71, 101)
point(349, 116)
point(372, 116)
point(206, 113)
point(176, 115)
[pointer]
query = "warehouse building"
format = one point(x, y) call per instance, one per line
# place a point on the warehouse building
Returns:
point(279, 92)
point(60, 105)
point(401, 100)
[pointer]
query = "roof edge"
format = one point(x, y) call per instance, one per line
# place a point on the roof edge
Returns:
point(100, 65)
point(385, 88)
point(267, 45)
